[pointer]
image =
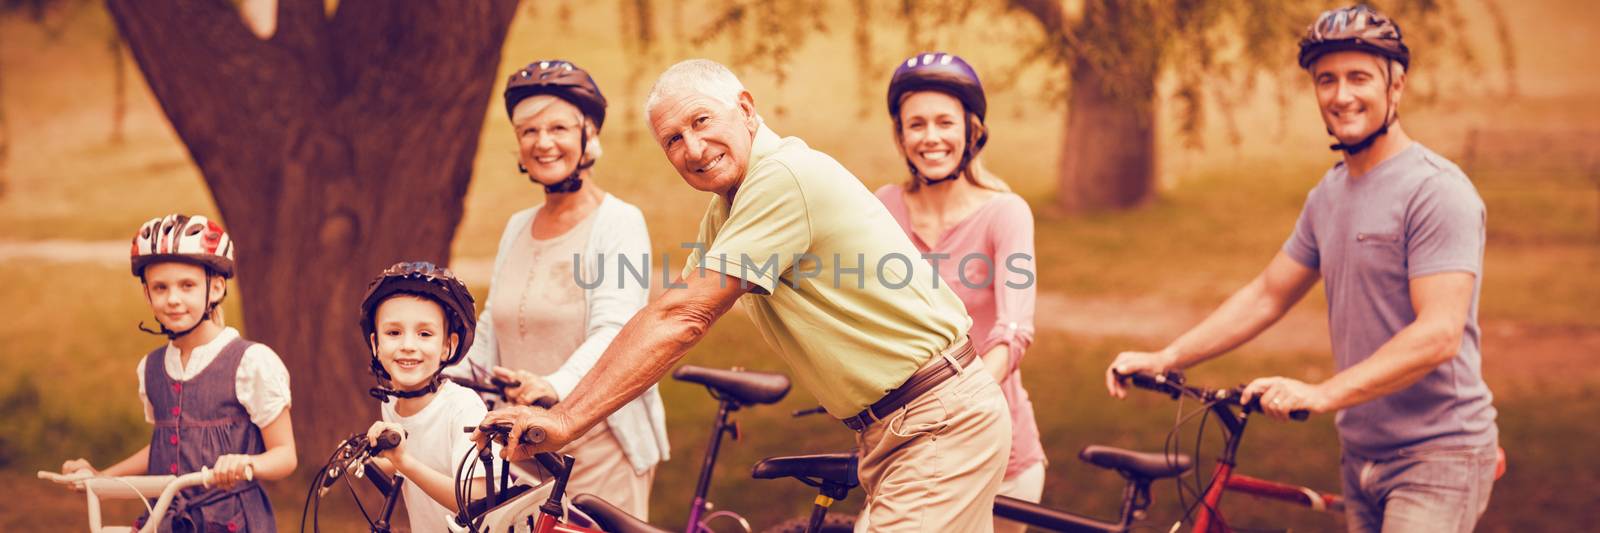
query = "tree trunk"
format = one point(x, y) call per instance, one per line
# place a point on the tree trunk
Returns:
point(338, 146)
point(1108, 152)
point(119, 90)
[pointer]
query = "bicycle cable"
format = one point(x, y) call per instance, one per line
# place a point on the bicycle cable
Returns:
point(1173, 448)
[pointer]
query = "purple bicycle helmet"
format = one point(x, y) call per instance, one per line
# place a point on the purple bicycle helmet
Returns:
point(938, 71)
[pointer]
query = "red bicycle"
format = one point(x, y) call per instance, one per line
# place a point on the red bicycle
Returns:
point(1140, 469)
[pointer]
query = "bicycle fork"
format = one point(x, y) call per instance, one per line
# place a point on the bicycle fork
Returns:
point(1208, 519)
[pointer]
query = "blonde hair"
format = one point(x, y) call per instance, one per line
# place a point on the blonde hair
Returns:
point(975, 173)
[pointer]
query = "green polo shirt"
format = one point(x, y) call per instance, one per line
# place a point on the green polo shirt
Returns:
point(839, 290)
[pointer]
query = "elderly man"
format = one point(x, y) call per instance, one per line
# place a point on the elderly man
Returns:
point(829, 279)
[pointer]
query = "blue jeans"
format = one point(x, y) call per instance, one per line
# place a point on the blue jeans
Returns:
point(1418, 490)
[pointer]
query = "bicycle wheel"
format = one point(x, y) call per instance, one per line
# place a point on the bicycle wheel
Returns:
point(833, 523)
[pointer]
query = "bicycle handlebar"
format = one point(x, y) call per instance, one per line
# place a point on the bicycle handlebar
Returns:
point(1172, 384)
point(136, 487)
point(387, 440)
point(502, 432)
point(498, 386)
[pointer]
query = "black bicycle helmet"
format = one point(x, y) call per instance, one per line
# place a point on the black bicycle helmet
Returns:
point(420, 278)
point(1357, 27)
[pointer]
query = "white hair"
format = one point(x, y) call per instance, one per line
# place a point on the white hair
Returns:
point(702, 76)
point(536, 104)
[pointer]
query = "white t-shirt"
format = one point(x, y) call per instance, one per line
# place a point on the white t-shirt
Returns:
point(435, 439)
point(261, 384)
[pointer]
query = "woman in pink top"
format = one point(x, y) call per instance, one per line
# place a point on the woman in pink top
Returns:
point(977, 234)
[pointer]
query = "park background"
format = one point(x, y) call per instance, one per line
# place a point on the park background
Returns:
point(89, 155)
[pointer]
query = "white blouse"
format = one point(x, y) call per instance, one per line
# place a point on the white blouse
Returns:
point(261, 385)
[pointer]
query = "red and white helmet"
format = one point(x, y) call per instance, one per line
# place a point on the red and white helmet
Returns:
point(189, 239)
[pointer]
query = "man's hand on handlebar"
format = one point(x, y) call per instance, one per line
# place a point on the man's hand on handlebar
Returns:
point(526, 430)
point(1280, 396)
point(1129, 363)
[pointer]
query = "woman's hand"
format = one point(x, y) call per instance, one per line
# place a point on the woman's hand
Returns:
point(534, 389)
point(231, 469)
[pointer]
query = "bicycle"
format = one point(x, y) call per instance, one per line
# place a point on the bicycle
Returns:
point(165, 488)
point(1141, 469)
point(833, 474)
point(352, 459)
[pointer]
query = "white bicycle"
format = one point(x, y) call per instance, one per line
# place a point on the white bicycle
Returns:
point(162, 488)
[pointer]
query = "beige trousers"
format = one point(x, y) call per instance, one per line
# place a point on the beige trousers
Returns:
point(936, 463)
point(600, 468)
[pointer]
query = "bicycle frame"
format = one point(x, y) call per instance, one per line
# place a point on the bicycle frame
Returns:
point(698, 506)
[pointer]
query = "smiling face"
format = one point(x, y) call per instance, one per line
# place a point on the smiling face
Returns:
point(933, 132)
point(411, 339)
point(1353, 93)
point(707, 140)
point(549, 137)
point(177, 293)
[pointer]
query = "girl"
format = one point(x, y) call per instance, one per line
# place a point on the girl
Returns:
point(216, 399)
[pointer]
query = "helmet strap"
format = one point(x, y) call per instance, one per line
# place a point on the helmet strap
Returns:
point(966, 159)
point(573, 181)
point(385, 388)
point(174, 335)
point(1388, 118)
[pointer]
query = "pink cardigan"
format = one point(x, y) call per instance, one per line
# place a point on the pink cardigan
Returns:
point(992, 235)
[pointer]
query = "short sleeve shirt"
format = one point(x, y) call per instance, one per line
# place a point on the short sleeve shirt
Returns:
point(838, 290)
point(1413, 215)
point(435, 437)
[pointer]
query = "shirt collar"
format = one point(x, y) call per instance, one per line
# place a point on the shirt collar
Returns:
point(766, 143)
point(199, 357)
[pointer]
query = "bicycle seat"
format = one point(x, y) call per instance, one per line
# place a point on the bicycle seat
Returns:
point(835, 468)
point(743, 386)
point(1147, 465)
point(609, 518)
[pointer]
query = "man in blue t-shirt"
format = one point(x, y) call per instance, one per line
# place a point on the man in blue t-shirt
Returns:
point(1397, 233)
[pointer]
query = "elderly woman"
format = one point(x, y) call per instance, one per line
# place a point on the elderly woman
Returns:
point(540, 326)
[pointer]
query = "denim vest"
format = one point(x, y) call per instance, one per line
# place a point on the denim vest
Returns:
point(198, 421)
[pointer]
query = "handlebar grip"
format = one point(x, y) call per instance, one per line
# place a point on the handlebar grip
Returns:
point(534, 435)
point(387, 440)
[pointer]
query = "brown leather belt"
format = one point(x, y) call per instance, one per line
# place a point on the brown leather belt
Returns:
point(926, 378)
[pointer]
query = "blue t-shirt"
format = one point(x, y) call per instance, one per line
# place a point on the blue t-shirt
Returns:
point(1413, 215)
